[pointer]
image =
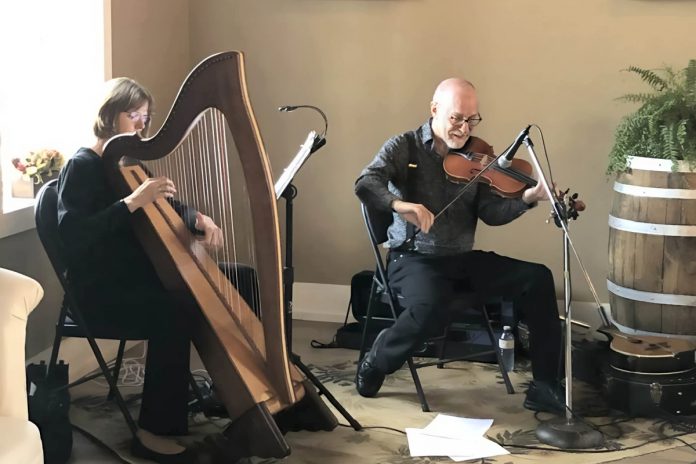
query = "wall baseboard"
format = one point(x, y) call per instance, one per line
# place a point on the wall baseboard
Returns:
point(328, 303)
point(77, 352)
point(312, 302)
point(320, 302)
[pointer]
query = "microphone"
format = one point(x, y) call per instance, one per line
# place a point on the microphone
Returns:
point(505, 159)
point(287, 108)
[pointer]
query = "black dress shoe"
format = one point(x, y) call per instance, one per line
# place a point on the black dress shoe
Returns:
point(545, 397)
point(141, 451)
point(369, 379)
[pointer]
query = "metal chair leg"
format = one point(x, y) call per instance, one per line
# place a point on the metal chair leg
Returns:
point(419, 387)
point(196, 389)
point(368, 318)
point(107, 374)
point(443, 345)
point(117, 366)
point(499, 358)
point(58, 337)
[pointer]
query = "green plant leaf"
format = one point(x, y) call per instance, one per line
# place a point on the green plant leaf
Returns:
point(664, 126)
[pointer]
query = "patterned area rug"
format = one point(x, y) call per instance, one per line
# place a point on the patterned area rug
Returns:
point(462, 389)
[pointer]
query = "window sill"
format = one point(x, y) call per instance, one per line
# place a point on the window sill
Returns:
point(19, 218)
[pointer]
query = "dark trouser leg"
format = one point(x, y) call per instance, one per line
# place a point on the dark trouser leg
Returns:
point(531, 287)
point(428, 283)
point(164, 407)
point(425, 287)
point(145, 311)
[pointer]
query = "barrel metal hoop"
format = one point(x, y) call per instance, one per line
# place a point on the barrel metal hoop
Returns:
point(671, 230)
point(653, 192)
point(651, 297)
point(657, 164)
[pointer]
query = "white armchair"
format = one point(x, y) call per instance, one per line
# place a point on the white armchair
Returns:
point(20, 441)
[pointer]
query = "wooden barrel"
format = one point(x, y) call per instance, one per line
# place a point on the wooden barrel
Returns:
point(652, 248)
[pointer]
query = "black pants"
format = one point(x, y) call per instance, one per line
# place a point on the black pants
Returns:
point(143, 309)
point(429, 283)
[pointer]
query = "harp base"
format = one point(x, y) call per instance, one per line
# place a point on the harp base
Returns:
point(324, 391)
point(258, 433)
point(255, 433)
point(310, 413)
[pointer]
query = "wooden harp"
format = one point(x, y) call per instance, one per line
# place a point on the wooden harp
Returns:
point(209, 135)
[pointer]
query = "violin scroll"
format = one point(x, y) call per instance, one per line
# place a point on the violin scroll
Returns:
point(569, 207)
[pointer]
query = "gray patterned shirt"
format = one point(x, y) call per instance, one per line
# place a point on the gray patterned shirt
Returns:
point(384, 180)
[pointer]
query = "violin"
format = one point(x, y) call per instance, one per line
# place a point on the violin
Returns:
point(509, 182)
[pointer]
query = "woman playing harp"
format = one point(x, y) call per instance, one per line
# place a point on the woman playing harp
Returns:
point(113, 277)
point(210, 147)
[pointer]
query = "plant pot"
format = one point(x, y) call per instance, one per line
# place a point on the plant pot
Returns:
point(652, 248)
point(45, 179)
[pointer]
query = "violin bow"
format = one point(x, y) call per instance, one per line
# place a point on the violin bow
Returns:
point(409, 240)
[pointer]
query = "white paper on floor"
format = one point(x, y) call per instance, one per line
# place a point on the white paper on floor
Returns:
point(460, 438)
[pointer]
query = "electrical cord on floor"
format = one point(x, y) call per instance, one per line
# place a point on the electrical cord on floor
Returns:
point(374, 427)
point(579, 451)
point(573, 451)
point(131, 374)
point(598, 427)
point(685, 442)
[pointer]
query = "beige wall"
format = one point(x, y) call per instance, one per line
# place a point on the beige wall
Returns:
point(150, 43)
point(372, 66)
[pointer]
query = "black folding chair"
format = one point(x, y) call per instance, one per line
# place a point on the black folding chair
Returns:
point(71, 322)
point(464, 308)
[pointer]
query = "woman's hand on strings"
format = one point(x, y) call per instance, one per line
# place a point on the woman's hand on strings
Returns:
point(152, 189)
point(212, 234)
point(414, 213)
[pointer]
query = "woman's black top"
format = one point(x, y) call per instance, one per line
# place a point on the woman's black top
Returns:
point(99, 243)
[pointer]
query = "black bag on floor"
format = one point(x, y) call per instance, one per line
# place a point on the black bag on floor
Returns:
point(350, 334)
point(49, 407)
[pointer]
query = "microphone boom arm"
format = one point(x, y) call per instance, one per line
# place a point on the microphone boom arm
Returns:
point(320, 140)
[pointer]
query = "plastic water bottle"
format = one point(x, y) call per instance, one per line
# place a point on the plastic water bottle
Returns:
point(506, 344)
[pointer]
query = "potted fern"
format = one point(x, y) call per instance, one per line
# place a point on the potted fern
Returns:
point(652, 236)
point(664, 126)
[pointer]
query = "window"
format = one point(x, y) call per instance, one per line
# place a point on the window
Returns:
point(52, 61)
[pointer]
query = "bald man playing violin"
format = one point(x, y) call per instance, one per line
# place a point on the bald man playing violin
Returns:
point(431, 260)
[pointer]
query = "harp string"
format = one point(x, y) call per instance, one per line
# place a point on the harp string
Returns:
point(248, 279)
point(206, 171)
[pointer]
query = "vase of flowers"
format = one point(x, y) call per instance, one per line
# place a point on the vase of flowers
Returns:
point(39, 167)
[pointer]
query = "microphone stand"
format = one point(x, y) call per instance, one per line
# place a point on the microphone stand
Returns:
point(289, 194)
point(565, 432)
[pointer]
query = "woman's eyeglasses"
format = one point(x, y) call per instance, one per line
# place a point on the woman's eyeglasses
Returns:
point(137, 116)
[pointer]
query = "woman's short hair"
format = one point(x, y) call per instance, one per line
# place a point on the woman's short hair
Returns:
point(121, 94)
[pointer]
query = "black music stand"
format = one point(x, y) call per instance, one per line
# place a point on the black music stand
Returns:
point(289, 193)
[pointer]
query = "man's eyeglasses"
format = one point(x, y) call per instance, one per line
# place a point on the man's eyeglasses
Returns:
point(137, 116)
point(472, 121)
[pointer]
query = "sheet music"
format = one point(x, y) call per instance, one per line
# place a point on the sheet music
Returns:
point(295, 165)
point(460, 438)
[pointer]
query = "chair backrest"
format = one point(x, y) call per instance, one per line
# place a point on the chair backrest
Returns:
point(46, 218)
point(377, 223)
